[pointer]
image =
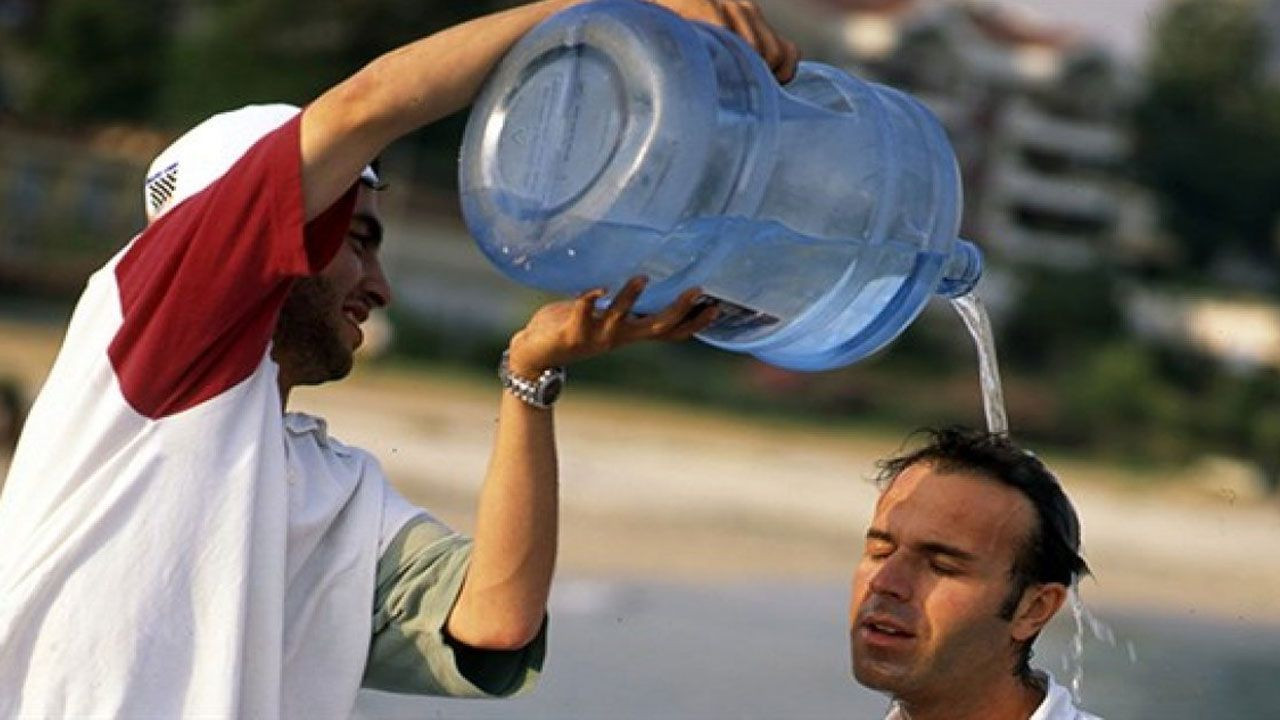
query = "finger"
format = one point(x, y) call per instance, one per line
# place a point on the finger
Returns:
point(786, 70)
point(684, 307)
point(737, 21)
point(707, 11)
point(622, 304)
point(694, 325)
point(627, 296)
point(584, 310)
point(711, 13)
point(768, 43)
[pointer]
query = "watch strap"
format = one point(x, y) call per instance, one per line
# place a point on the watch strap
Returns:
point(531, 392)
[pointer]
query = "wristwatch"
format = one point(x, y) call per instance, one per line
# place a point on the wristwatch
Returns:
point(540, 393)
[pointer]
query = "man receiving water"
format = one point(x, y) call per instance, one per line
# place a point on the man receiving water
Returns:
point(972, 550)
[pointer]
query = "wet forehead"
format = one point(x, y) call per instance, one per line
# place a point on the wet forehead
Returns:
point(958, 509)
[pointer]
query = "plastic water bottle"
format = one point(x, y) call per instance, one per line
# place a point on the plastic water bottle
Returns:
point(618, 139)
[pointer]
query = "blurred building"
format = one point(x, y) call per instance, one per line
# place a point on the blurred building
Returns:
point(1036, 114)
point(1242, 333)
point(69, 201)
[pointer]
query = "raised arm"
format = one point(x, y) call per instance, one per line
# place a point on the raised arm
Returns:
point(504, 596)
point(419, 83)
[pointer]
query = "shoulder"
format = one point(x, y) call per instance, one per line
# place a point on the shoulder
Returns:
point(313, 430)
point(316, 454)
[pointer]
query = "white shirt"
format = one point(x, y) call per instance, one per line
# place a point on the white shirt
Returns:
point(1057, 705)
point(171, 544)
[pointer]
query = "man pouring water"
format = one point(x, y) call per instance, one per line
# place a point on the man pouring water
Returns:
point(173, 543)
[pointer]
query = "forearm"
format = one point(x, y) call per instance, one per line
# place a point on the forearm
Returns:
point(401, 91)
point(504, 597)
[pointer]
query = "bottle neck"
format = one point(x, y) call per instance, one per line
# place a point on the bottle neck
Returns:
point(961, 271)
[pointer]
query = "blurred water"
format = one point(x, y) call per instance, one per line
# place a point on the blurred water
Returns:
point(645, 650)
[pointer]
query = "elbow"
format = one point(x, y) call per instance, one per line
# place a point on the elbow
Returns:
point(507, 635)
point(517, 639)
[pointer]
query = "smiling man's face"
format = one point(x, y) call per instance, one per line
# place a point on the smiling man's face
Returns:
point(927, 595)
point(319, 327)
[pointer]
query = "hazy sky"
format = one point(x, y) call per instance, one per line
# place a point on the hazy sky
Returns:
point(1120, 24)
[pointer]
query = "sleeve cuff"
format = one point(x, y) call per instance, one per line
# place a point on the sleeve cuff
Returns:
point(419, 579)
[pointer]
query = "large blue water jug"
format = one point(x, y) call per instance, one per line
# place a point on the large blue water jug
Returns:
point(617, 139)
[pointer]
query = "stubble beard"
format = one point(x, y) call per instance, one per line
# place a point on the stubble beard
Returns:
point(308, 343)
point(890, 678)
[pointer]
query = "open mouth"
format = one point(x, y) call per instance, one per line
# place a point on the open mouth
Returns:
point(355, 314)
point(882, 630)
point(355, 317)
point(886, 630)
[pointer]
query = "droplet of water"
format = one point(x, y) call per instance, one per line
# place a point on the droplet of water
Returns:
point(1073, 661)
point(572, 252)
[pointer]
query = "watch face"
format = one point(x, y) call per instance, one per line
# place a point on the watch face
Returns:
point(551, 389)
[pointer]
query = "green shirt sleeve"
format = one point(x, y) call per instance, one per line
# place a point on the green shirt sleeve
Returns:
point(419, 577)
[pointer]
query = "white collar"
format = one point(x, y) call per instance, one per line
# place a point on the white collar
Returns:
point(298, 424)
point(1057, 704)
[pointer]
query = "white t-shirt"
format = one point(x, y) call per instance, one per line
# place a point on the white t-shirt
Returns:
point(1057, 705)
point(171, 544)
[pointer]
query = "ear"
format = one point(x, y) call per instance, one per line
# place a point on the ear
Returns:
point(1039, 604)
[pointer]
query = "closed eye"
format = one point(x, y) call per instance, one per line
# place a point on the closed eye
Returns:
point(879, 545)
point(947, 560)
point(366, 230)
point(944, 568)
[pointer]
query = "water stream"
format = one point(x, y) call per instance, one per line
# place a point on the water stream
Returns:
point(975, 319)
point(1073, 658)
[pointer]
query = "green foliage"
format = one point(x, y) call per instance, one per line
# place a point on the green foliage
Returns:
point(1265, 442)
point(1241, 415)
point(1208, 130)
point(1119, 400)
point(157, 62)
point(1059, 317)
point(243, 51)
point(101, 61)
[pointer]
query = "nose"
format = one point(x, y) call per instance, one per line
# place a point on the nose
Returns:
point(376, 285)
point(893, 576)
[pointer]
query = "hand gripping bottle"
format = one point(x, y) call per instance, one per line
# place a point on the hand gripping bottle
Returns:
point(617, 139)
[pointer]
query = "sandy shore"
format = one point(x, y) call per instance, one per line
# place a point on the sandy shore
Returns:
point(652, 490)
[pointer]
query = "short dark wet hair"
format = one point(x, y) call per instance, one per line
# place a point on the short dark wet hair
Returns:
point(1052, 552)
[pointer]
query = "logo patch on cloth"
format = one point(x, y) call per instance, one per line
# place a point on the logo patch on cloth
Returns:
point(161, 187)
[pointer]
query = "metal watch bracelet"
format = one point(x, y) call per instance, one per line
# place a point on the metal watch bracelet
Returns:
point(540, 393)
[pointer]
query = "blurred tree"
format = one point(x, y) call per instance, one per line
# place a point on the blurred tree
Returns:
point(1240, 414)
point(1119, 400)
point(1060, 316)
point(99, 61)
point(1265, 439)
point(20, 22)
point(1208, 130)
point(234, 52)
